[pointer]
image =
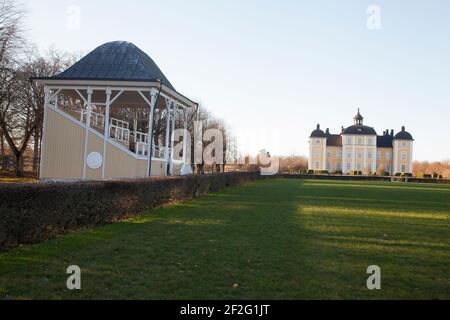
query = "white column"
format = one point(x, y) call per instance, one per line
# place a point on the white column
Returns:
point(353, 155)
point(172, 139)
point(374, 159)
point(150, 129)
point(394, 155)
point(167, 151)
point(106, 133)
point(310, 167)
point(185, 144)
point(411, 156)
point(44, 130)
point(324, 150)
point(88, 125)
point(364, 155)
point(135, 124)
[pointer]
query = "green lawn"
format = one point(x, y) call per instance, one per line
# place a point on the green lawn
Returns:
point(276, 239)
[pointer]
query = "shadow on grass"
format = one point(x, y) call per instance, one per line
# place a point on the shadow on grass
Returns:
point(272, 238)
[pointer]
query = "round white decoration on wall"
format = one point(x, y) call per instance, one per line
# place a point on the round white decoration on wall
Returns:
point(94, 160)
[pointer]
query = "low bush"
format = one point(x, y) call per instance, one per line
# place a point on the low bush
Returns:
point(31, 213)
point(409, 175)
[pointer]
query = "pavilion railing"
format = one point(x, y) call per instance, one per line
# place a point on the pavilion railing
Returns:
point(120, 131)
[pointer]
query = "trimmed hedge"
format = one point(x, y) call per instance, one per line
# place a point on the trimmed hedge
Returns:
point(32, 213)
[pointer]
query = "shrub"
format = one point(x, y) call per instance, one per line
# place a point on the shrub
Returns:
point(338, 172)
point(31, 213)
point(310, 172)
point(409, 175)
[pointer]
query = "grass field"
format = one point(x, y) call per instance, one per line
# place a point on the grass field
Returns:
point(276, 239)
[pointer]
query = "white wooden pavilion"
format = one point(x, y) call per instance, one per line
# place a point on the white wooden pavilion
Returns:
point(99, 118)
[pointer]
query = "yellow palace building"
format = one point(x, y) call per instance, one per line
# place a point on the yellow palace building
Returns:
point(360, 148)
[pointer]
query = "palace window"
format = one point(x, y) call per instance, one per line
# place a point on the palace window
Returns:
point(378, 155)
point(317, 141)
point(328, 154)
point(359, 155)
point(349, 166)
point(349, 155)
point(404, 144)
point(404, 156)
point(338, 154)
point(358, 166)
point(318, 153)
point(338, 166)
point(349, 140)
point(388, 156)
point(370, 141)
point(388, 168)
point(369, 155)
point(328, 166)
point(317, 165)
point(360, 141)
point(403, 168)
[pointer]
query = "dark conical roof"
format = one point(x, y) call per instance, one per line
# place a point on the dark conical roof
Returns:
point(360, 130)
point(116, 61)
point(318, 133)
point(403, 135)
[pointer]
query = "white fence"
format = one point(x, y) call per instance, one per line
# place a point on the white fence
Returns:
point(120, 131)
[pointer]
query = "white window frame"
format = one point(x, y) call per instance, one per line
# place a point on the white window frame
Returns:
point(404, 156)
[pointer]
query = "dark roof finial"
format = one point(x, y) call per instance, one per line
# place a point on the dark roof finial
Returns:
point(358, 118)
point(403, 128)
point(318, 126)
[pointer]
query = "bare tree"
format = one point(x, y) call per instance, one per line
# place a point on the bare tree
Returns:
point(33, 95)
point(11, 41)
point(22, 107)
point(11, 34)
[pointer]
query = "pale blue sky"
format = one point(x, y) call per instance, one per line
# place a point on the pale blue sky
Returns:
point(274, 69)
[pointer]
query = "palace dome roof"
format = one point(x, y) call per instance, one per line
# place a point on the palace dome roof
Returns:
point(403, 135)
point(360, 130)
point(116, 61)
point(318, 133)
